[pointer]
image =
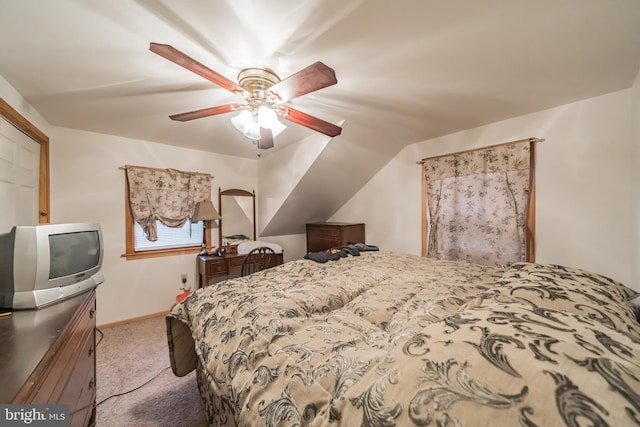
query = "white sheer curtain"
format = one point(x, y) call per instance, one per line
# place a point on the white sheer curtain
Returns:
point(477, 204)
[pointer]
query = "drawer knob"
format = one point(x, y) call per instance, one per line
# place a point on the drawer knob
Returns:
point(92, 313)
point(90, 351)
point(91, 384)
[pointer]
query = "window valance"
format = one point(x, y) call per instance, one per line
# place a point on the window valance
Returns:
point(166, 195)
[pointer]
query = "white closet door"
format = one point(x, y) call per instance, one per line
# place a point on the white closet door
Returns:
point(19, 173)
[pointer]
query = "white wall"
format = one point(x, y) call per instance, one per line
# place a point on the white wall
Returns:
point(583, 176)
point(15, 100)
point(87, 185)
point(279, 173)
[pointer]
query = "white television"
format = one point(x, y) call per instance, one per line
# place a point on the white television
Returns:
point(47, 263)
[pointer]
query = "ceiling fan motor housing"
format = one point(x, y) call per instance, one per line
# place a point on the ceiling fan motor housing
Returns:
point(257, 79)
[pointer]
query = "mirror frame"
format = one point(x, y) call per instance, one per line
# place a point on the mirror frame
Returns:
point(234, 192)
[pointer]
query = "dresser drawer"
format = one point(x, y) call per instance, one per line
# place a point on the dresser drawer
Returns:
point(62, 366)
point(80, 389)
point(321, 232)
point(66, 372)
point(323, 236)
point(214, 268)
point(236, 261)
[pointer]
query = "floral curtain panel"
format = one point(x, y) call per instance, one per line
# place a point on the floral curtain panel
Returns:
point(477, 204)
point(166, 195)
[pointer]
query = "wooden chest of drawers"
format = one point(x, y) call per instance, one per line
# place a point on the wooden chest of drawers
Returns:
point(326, 235)
point(48, 357)
point(214, 269)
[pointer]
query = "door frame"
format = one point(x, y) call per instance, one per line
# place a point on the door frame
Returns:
point(29, 129)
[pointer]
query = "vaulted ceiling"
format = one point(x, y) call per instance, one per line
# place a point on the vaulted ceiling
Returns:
point(407, 70)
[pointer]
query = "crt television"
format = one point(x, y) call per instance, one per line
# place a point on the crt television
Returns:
point(47, 263)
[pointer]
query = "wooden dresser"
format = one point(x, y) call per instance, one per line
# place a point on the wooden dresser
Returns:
point(214, 269)
point(48, 357)
point(326, 235)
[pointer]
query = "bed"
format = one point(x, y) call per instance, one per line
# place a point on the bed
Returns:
point(391, 339)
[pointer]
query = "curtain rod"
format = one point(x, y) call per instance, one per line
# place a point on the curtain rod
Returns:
point(163, 169)
point(532, 139)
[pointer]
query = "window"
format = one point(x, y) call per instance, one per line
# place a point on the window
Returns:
point(478, 204)
point(168, 247)
point(188, 235)
point(186, 239)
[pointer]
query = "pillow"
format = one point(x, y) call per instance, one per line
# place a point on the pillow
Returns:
point(590, 295)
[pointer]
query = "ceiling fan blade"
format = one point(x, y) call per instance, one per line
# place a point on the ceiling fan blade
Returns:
point(316, 76)
point(309, 121)
point(205, 112)
point(266, 139)
point(174, 55)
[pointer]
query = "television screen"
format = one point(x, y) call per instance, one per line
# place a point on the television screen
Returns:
point(73, 253)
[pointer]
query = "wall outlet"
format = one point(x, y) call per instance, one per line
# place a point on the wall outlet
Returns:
point(184, 287)
point(183, 277)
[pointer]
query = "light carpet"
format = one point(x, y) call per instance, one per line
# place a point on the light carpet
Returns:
point(133, 359)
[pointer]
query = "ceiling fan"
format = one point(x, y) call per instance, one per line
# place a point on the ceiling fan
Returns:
point(264, 95)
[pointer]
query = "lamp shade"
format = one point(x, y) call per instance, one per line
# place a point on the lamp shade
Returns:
point(244, 123)
point(250, 126)
point(205, 212)
point(268, 119)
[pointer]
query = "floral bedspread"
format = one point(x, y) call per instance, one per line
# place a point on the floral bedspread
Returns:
point(389, 339)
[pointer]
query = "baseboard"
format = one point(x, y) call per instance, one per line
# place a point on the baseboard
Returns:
point(134, 319)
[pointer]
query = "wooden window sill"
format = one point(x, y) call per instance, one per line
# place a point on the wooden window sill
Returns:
point(161, 252)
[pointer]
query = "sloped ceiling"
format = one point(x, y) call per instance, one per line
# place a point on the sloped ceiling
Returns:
point(408, 71)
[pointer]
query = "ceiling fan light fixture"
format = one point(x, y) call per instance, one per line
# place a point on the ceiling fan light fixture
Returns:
point(259, 111)
point(244, 123)
point(268, 119)
point(249, 123)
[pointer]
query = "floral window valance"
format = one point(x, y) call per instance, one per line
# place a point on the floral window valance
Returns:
point(477, 204)
point(166, 195)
